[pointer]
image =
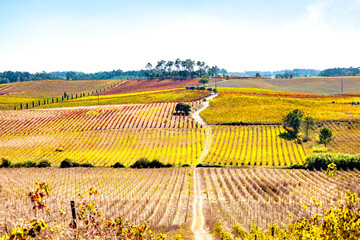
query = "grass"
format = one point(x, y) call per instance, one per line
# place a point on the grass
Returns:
point(171, 95)
point(267, 106)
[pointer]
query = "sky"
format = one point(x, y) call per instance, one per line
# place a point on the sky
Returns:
point(257, 35)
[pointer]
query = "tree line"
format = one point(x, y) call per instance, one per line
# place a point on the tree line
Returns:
point(340, 71)
point(180, 69)
point(10, 77)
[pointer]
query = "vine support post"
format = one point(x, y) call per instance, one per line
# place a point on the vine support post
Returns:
point(72, 204)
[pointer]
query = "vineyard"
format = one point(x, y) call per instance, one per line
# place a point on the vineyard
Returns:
point(315, 85)
point(102, 136)
point(146, 85)
point(246, 105)
point(253, 145)
point(166, 196)
point(172, 95)
point(14, 94)
point(161, 196)
point(266, 196)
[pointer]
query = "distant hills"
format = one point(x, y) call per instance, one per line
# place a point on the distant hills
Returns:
point(295, 73)
point(9, 76)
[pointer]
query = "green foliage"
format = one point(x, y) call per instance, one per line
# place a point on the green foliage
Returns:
point(67, 163)
point(308, 124)
point(182, 108)
point(325, 136)
point(257, 75)
point(292, 122)
point(44, 163)
point(204, 80)
point(145, 163)
point(180, 69)
point(322, 161)
point(27, 164)
point(5, 162)
point(118, 165)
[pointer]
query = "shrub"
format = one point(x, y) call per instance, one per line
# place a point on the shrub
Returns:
point(141, 163)
point(5, 162)
point(342, 161)
point(118, 165)
point(145, 163)
point(183, 108)
point(44, 163)
point(209, 89)
point(27, 164)
point(202, 88)
point(185, 165)
point(192, 88)
point(66, 163)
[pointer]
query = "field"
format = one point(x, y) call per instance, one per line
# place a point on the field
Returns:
point(102, 136)
point(256, 105)
point(14, 94)
point(253, 145)
point(145, 85)
point(247, 180)
point(166, 196)
point(316, 85)
point(265, 196)
point(161, 196)
point(172, 95)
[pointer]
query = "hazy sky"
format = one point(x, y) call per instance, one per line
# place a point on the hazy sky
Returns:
point(90, 36)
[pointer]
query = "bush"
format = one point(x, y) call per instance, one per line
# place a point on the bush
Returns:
point(5, 162)
point(27, 164)
point(183, 108)
point(342, 161)
point(209, 89)
point(192, 88)
point(202, 88)
point(67, 163)
point(145, 163)
point(118, 165)
point(185, 165)
point(44, 163)
point(141, 163)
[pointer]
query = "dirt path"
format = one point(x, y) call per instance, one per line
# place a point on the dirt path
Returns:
point(198, 216)
point(197, 118)
point(198, 226)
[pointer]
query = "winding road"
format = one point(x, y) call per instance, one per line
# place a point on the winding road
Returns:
point(198, 226)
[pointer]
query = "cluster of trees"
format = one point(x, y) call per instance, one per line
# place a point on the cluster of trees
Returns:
point(180, 69)
point(9, 76)
point(340, 71)
point(293, 122)
point(115, 74)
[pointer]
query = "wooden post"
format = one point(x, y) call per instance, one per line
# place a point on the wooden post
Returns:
point(72, 203)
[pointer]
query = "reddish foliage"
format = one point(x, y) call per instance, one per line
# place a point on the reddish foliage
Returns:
point(142, 85)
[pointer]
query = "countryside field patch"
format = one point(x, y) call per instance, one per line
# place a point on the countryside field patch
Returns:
point(259, 106)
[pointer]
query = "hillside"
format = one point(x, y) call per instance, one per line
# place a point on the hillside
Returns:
point(315, 85)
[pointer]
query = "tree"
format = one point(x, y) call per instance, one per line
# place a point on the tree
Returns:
point(292, 122)
point(309, 124)
point(183, 108)
point(258, 75)
point(204, 81)
point(325, 135)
